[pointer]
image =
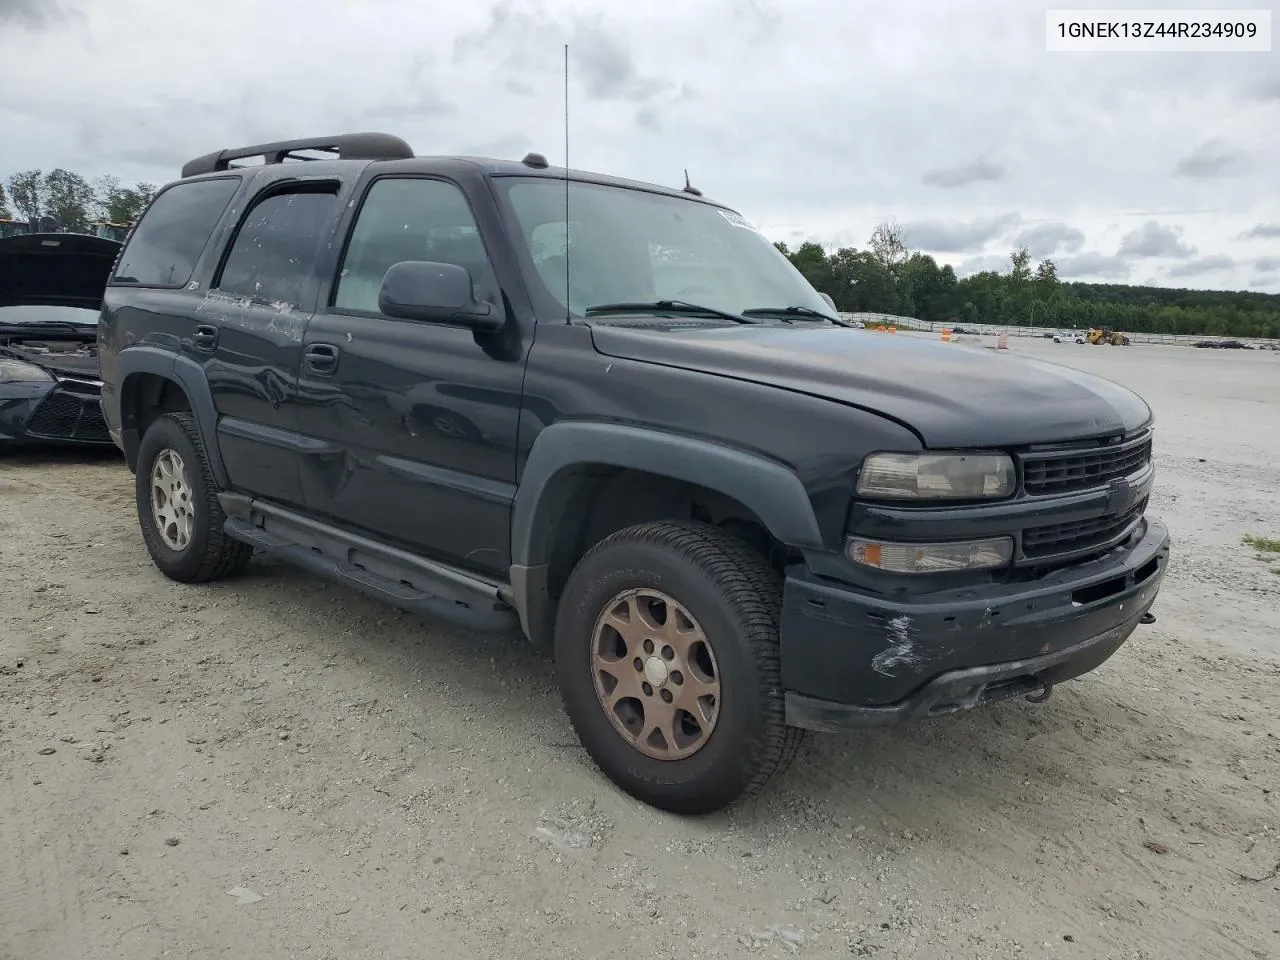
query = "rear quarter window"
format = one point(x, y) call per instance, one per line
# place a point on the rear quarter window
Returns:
point(173, 233)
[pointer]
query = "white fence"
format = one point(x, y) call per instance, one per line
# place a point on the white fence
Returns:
point(988, 329)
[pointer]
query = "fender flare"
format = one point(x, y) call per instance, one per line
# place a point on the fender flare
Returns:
point(188, 375)
point(768, 488)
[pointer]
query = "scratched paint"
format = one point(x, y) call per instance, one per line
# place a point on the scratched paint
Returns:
point(901, 650)
point(279, 319)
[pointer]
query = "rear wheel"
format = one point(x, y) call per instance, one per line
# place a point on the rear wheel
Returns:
point(667, 656)
point(178, 507)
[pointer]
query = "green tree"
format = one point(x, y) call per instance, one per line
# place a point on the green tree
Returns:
point(145, 193)
point(104, 189)
point(68, 199)
point(26, 190)
point(932, 291)
point(874, 287)
point(844, 277)
point(4, 205)
point(889, 245)
point(811, 260)
point(1046, 293)
point(1019, 304)
point(119, 204)
point(1021, 260)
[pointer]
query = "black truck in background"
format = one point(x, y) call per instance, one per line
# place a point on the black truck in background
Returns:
point(613, 417)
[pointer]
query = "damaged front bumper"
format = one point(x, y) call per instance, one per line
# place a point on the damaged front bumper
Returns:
point(852, 660)
point(65, 411)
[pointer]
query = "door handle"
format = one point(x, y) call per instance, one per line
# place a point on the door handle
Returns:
point(205, 337)
point(321, 357)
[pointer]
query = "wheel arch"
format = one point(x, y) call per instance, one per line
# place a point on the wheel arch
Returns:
point(585, 480)
point(155, 381)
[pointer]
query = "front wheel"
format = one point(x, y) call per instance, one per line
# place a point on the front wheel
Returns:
point(667, 657)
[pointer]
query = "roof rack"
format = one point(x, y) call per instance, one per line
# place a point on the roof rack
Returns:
point(344, 146)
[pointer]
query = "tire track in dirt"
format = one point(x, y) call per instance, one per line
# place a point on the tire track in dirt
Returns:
point(42, 909)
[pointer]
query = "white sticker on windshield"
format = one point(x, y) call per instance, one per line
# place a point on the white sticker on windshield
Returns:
point(738, 220)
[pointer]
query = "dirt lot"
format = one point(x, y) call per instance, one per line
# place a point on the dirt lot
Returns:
point(393, 789)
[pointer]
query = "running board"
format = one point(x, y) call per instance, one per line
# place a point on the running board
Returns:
point(392, 575)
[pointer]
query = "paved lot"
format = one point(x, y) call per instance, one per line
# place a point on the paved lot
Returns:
point(393, 789)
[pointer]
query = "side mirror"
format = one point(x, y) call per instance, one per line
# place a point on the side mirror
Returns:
point(830, 303)
point(435, 293)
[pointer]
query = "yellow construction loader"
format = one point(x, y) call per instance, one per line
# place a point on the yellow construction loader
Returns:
point(1104, 336)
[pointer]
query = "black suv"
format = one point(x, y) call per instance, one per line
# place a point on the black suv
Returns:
point(613, 416)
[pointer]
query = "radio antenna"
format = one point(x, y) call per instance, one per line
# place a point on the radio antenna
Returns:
point(568, 311)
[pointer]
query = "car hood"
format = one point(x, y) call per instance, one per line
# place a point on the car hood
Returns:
point(55, 269)
point(950, 395)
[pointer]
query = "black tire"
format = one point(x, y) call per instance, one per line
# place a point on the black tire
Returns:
point(209, 554)
point(735, 597)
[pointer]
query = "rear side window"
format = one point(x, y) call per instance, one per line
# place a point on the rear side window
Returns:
point(173, 232)
point(275, 249)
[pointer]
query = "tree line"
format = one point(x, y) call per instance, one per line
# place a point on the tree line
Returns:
point(69, 200)
point(887, 277)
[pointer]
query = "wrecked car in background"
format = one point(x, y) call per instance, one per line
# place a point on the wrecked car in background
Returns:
point(51, 289)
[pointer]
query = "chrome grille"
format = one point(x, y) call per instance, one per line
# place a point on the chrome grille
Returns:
point(1083, 469)
point(1082, 535)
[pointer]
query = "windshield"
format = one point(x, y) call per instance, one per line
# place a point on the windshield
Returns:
point(628, 246)
point(43, 314)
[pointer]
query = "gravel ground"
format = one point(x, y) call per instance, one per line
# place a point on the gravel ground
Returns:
point(275, 768)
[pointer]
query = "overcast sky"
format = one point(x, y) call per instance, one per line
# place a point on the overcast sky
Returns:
point(815, 118)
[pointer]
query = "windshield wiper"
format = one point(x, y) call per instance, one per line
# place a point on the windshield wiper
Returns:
point(47, 325)
point(663, 306)
point(784, 312)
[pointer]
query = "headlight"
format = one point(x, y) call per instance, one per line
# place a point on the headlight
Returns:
point(930, 557)
point(937, 476)
point(18, 371)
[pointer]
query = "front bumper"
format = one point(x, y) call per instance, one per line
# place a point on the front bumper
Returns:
point(67, 411)
point(851, 660)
